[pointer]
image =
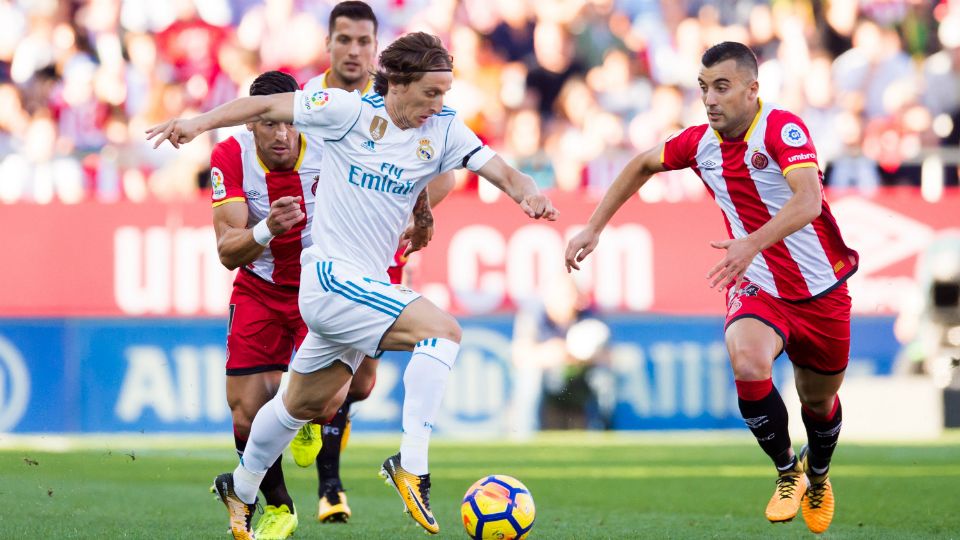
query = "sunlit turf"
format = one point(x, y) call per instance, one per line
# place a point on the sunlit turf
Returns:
point(584, 485)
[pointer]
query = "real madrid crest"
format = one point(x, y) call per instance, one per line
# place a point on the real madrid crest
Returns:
point(378, 127)
point(425, 150)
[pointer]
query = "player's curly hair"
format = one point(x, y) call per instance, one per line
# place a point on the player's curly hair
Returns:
point(408, 58)
point(273, 82)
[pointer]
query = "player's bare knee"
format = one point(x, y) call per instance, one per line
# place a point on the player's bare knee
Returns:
point(749, 364)
point(817, 402)
point(445, 327)
point(360, 388)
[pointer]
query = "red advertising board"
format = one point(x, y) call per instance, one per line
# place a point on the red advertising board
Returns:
point(159, 259)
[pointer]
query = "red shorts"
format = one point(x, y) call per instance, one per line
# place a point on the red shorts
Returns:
point(815, 333)
point(395, 271)
point(264, 327)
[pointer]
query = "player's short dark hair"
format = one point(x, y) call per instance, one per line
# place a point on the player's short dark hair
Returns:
point(273, 82)
point(406, 60)
point(353, 10)
point(731, 50)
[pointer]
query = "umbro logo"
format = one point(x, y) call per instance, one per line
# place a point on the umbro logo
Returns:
point(707, 164)
point(756, 422)
point(252, 195)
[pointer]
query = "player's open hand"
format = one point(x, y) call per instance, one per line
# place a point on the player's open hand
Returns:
point(415, 237)
point(178, 131)
point(733, 266)
point(539, 206)
point(285, 212)
point(579, 247)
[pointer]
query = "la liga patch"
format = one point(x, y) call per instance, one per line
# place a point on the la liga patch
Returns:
point(792, 135)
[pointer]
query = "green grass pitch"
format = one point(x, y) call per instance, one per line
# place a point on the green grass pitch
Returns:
point(584, 485)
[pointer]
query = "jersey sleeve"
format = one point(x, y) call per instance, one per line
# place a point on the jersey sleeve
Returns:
point(327, 112)
point(788, 142)
point(680, 150)
point(226, 173)
point(463, 149)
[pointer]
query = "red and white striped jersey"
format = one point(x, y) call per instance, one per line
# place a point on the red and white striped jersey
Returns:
point(238, 175)
point(746, 177)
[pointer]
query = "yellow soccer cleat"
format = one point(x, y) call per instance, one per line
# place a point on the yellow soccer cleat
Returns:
point(333, 508)
point(306, 445)
point(276, 523)
point(785, 503)
point(818, 502)
point(413, 490)
point(240, 512)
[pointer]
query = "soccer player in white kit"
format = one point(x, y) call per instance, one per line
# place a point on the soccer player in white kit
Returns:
point(381, 151)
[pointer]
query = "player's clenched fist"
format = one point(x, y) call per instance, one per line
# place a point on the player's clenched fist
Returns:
point(285, 212)
point(539, 206)
point(415, 238)
point(178, 131)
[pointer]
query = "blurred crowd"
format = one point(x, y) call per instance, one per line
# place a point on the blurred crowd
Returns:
point(568, 90)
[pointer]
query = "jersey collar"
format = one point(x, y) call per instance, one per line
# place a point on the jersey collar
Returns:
point(296, 167)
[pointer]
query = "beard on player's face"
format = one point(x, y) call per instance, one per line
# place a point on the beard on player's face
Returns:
point(276, 144)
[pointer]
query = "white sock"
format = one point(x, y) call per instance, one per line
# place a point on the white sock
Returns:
point(424, 383)
point(272, 430)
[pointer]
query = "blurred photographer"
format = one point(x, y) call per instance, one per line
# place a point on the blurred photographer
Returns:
point(929, 323)
point(560, 356)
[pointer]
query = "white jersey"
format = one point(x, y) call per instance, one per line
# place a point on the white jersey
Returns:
point(372, 173)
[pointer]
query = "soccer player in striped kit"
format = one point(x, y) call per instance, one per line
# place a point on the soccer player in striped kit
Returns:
point(785, 268)
point(381, 151)
point(264, 177)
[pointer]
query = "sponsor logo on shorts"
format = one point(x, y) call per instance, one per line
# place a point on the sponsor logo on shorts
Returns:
point(792, 135)
point(750, 289)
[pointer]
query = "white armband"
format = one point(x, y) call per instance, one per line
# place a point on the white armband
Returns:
point(261, 233)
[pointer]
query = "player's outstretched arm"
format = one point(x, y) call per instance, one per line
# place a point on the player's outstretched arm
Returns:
point(236, 244)
point(273, 107)
point(519, 187)
point(630, 179)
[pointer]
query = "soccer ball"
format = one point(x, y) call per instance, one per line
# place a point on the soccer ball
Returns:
point(498, 507)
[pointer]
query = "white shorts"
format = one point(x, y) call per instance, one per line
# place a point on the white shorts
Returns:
point(347, 315)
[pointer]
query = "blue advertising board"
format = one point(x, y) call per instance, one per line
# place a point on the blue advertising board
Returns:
point(167, 375)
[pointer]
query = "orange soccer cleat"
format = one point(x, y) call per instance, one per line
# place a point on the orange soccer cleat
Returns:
point(818, 502)
point(785, 503)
